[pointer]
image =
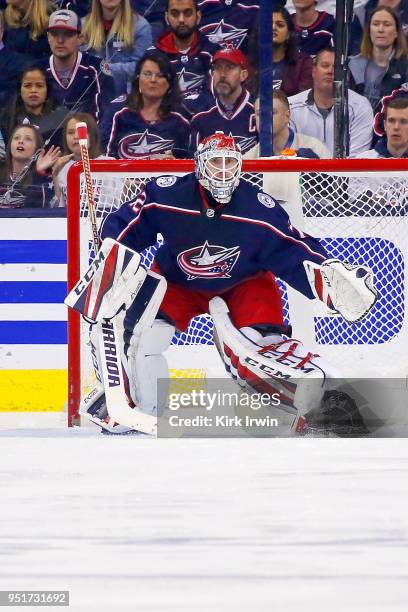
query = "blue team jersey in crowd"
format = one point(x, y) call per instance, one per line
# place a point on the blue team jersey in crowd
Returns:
point(227, 23)
point(214, 249)
point(191, 67)
point(239, 122)
point(131, 137)
point(319, 35)
point(91, 86)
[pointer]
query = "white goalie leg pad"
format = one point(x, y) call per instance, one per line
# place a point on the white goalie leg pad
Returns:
point(271, 364)
point(142, 312)
point(110, 361)
point(147, 364)
point(119, 416)
point(93, 405)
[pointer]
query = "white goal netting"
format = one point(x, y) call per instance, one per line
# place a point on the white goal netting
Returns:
point(360, 217)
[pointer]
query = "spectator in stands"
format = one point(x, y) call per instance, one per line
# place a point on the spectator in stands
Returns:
point(115, 33)
point(291, 69)
point(145, 125)
point(312, 111)
point(33, 105)
point(228, 24)
point(23, 181)
point(232, 113)
point(382, 64)
point(394, 143)
point(26, 27)
point(77, 80)
point(361, 17)
point(286, 143)
point(314, 29)
point(11, 67)
point(285, 140)
point(71, 153)
point(190, 54)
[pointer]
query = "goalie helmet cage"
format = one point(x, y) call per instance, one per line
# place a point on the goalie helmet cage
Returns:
point(358, 207)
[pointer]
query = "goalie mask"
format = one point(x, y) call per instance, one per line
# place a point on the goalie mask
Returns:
point(218, 162)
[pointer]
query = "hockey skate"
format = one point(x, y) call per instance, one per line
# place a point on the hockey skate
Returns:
point(97, 413)
point(337, 416)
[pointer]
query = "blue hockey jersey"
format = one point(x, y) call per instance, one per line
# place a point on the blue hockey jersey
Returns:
point(227, 23)
point(192, 68)
point(90, 88)
point(238, 123)
point(213, 249)
point(319, 35)
point(132, 137)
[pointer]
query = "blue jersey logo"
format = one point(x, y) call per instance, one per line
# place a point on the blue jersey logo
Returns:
point(208, 261)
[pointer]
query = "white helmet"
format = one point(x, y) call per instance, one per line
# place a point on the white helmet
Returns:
point(220, 177)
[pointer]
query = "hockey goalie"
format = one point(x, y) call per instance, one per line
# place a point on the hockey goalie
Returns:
point(224, 242)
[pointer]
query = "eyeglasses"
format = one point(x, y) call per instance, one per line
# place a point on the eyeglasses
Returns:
point(149, 75)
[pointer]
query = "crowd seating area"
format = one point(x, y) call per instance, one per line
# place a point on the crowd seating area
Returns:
point(152, 78)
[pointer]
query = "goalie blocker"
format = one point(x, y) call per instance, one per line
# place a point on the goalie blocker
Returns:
point(113, 279)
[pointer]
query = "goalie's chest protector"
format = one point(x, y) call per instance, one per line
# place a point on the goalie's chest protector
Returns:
point(211, 249)
point(206, 248)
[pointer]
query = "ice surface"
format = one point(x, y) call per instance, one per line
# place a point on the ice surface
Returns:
point(186, 525)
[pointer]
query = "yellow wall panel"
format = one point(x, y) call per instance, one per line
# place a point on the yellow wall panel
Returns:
point(33, 390)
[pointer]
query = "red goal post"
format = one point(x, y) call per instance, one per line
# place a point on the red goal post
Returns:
point(358, 207)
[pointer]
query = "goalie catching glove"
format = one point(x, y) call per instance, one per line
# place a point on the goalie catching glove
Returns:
point(342, 287)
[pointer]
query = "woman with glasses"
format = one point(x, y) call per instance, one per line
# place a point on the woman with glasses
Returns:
point(146, 125)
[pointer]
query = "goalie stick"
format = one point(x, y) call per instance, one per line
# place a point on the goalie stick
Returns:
point(116, 400)
point(82, 131)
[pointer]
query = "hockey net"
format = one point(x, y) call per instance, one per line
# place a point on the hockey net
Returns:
point(359, 209)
